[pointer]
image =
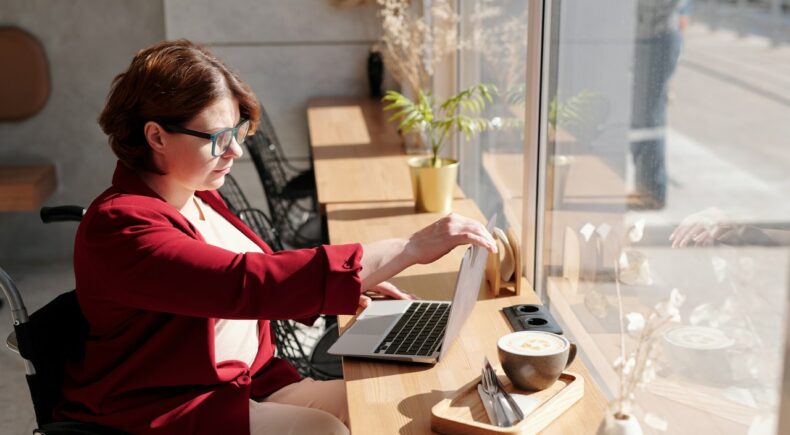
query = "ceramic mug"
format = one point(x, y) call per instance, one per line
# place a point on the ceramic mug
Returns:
point(699, 352)
point(534, 360)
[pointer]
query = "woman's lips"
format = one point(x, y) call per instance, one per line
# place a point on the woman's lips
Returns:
point(222, 171)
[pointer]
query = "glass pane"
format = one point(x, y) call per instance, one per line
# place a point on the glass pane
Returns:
point(492, 163)
point(667, 169)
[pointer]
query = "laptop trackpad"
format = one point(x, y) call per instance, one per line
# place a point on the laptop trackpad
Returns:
point(370, 328)
point(364, 335)
point(373, 325)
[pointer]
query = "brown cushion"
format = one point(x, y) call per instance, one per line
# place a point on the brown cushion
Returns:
point(24, 77)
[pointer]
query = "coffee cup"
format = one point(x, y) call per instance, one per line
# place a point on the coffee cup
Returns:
point(699, 352)
point(534, 360)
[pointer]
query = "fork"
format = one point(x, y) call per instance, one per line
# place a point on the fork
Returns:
point(489, 386)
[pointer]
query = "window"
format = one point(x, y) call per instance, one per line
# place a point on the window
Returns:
point(666, 167)
point(662, 165)
point(492, 162)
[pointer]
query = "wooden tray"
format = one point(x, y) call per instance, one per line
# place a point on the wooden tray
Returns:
point(464, 413)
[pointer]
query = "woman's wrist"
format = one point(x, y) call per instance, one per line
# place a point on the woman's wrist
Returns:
point(405, 257)
point(384, 259)
point(411, 252)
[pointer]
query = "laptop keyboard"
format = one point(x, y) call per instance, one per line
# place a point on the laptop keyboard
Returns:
point(419, 331)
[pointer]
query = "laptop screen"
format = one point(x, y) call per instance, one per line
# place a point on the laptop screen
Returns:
point(467, 286)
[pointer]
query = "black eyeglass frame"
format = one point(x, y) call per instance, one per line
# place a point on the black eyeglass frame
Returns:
point(213, 137)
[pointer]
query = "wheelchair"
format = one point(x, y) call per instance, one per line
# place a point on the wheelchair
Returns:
point(48, 339)
point(55, 334)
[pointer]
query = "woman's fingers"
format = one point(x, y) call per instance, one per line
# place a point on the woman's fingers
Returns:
point(475, 239)
point(388, 289)
point(695, 231)
point(703, 228)
point(364, 301)
point(437, 239)
point(475, 233)
point(688, 225)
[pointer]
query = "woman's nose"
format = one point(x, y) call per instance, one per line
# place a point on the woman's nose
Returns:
point(234, 150)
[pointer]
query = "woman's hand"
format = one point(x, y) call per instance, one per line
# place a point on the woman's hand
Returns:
point(385, 289)
point(384, 259)
point(702, 228)
point(434, 241)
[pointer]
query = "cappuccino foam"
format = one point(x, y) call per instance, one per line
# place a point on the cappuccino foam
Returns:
point(533, 343)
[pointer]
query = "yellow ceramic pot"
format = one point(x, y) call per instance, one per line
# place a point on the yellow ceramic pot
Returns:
point(433, 187)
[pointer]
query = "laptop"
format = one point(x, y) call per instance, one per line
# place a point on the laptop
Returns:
point(416, 331)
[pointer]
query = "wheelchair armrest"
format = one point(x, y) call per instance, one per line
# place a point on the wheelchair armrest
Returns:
point(61, 213)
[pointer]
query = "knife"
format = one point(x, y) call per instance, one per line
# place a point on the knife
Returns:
point(488, 404)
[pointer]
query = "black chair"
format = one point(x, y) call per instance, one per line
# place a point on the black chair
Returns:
point(47, 340)
point(233, 196)
point(298, 227)
point(296, 183)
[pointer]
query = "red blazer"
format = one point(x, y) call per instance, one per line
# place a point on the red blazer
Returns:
point(151, 290)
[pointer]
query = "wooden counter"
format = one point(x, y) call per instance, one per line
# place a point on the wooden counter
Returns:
point(387, 397)
point(581, 181)
point(357, 154)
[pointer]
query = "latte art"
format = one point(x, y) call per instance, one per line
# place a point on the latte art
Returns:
point(533, 343)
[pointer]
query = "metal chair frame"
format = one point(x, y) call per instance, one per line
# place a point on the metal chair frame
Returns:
point(268, 165)
point(267, 128)
point(286, 187)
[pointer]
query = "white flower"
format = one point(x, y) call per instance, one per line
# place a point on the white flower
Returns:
point(637, 231)
point(636, 323)
point(701, 314)
point(669, 309)
point(626, 367)
point(676, 298)
point(719, 268)
point(603, 230)
point(634, 268)
point(648, 374)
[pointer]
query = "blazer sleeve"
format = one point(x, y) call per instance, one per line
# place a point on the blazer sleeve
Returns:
point(138, 257)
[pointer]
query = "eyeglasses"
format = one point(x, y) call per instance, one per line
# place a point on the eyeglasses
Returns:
point(220, 141)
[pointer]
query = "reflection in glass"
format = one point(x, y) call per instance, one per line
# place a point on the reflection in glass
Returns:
point(495, 35)
point(668, 170)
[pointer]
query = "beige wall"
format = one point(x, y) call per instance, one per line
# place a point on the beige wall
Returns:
point(87, 42)
point(288, 51)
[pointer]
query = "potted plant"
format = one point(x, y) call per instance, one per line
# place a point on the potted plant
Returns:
point(416, 38)
point(433, 177)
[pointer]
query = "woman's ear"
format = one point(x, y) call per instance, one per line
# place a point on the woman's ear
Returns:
point(154, 135)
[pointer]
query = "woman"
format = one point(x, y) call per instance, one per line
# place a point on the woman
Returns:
point(175, 287)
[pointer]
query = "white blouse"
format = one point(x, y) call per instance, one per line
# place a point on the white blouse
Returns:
point(233, 339)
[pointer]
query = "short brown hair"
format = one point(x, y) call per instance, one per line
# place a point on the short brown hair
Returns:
point(170, 82)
